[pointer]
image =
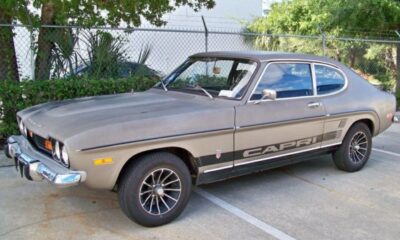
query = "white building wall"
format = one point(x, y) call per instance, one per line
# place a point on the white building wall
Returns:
point(266, 6)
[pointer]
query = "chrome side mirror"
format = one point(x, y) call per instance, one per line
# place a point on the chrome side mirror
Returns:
point(396, 119)
point(267, 94)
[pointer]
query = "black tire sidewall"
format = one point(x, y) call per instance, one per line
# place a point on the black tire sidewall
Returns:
point(129, 190)
point(342, 157)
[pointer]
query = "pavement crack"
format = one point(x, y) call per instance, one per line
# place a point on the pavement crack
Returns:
point(6, 166)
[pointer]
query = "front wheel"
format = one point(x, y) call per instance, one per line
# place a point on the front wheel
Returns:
point(155, 189)
point(355, 150)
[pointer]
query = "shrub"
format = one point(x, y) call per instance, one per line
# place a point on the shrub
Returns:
point(16, 96)
point(398, 100)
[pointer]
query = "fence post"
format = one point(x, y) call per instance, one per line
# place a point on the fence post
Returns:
point(32, 51)
point(205, 33)
point(323, 37)
point(397, 87)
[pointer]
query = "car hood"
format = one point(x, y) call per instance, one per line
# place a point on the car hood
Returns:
point(103, 120)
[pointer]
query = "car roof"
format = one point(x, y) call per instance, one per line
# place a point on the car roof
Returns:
point(265, 56)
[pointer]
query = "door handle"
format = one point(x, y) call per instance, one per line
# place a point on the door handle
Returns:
point(314, 104)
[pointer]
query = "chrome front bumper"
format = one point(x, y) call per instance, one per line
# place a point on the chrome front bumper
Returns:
point(36, 166)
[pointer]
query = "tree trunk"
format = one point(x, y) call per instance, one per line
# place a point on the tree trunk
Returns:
point(8, 58)
point(390, 60)
point(337, 54)
point(45, 44)
point(352, 57)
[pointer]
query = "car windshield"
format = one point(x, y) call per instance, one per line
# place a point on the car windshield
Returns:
point(218, 77)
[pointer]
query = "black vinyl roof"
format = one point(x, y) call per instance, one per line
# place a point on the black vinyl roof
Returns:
point(265, 56)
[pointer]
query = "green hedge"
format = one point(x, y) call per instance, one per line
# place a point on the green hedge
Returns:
point(398, 100)
point(17, 96)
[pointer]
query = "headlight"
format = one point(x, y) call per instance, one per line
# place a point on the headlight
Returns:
point(21, 126)
point(57, 151)
point(60, 153)
point(25, 131)
point(64, 156)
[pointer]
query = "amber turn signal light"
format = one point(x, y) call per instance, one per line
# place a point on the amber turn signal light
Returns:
point(48, 145)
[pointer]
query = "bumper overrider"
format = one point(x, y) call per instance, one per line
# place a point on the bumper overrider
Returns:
point(36, 166)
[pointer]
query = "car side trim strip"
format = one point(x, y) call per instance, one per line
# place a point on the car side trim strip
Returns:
point(273, 124)
point(331, 145)
point(286, 154)
point(301, 120)
point(226, 165)
point(272, 157)
point(157, 138)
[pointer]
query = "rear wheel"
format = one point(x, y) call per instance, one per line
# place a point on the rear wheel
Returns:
point(155, 189)
point(355, 150)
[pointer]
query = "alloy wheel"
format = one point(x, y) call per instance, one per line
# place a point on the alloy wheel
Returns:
point(358, 147)
point(160, 191)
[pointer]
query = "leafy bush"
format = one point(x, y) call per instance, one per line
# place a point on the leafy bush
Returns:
point(105, 54)
point(17, 96)
point(398, 100)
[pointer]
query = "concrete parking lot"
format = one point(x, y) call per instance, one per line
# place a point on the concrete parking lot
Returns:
point(309, 200)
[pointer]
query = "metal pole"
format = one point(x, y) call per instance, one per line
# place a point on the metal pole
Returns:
point(206, 39)
point(32, 51)
point(397, 87)
point(323, 36)
point(205, 33)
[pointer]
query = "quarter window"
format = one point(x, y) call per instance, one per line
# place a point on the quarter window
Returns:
point(328, 79)
point(287, 79)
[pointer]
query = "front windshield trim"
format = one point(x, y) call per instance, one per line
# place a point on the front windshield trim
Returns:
point(171, 77)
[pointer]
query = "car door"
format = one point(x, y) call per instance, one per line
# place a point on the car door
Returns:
point(292, 123)
point(330, 82)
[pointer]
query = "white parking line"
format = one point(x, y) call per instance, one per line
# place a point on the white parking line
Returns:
point(252, 220)
point(387, 152)
point(243, 215)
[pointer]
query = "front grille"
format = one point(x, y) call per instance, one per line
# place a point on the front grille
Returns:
point(39, 143)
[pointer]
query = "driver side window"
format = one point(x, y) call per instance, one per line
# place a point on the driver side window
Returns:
point(289, 80)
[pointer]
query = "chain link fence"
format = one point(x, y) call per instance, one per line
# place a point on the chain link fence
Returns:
point(63, 51)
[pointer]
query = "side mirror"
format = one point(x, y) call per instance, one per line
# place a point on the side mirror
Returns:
point(267, 94)
point(396, 119)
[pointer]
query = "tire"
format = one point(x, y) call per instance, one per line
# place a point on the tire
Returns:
point(145, 199)
point(6, 150)
point(355, 150)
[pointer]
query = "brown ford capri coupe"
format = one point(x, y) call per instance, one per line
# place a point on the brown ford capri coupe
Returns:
point(218, 115)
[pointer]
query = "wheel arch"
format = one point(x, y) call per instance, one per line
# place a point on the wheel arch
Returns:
point(186, 156)
point(369, 122)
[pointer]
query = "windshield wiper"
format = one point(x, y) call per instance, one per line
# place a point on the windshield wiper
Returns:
point(205, 91)
point(163, 85)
